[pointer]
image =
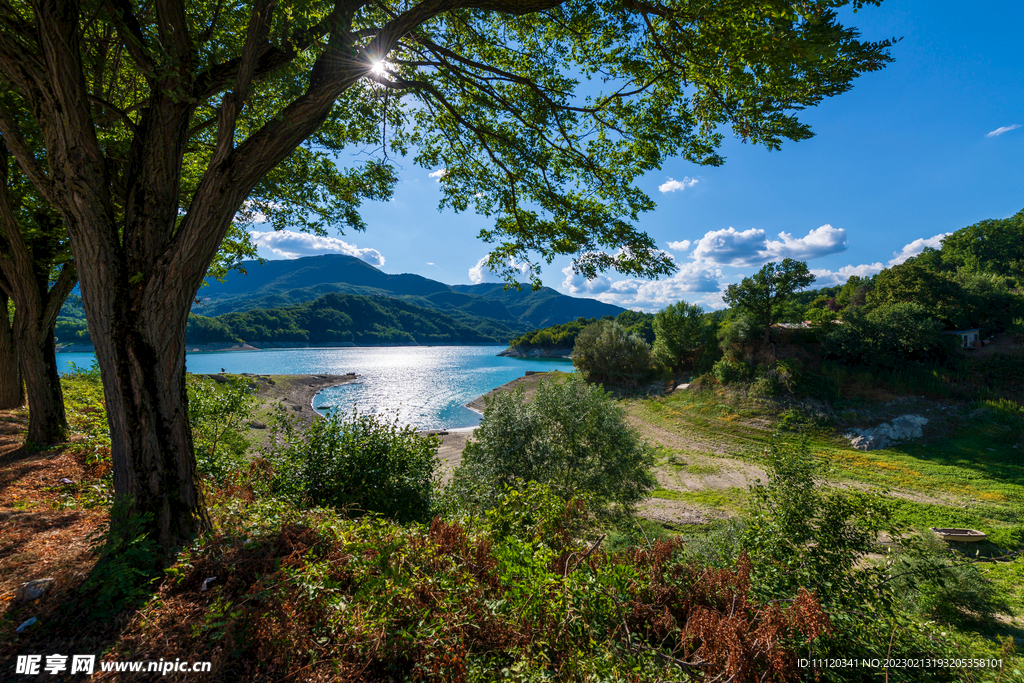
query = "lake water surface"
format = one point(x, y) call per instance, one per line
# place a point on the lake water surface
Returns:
point(427, 385)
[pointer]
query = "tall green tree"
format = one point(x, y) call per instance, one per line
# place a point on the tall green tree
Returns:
point(762, 294)
point(679, 330)
point(160, 120)
point(910, 282)
point(992, 246)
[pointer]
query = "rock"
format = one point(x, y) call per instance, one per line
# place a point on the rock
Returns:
point(218, 378)
point(256, 424)
point(32, 590)
point(902, 428)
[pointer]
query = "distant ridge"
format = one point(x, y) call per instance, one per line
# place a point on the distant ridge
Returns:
point(275, 284)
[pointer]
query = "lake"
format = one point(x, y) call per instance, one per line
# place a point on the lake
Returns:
point(427, 385)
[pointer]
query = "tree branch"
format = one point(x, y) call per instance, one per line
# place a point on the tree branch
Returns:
point(20, 150)
point(255, 38)
point(128, 28)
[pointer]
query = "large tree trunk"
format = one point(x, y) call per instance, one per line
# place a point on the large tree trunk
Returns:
point(47, 421)
point(139, 257)
point(12, 393)
point(141, 351)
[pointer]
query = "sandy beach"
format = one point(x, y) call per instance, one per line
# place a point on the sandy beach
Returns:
point(295, 394)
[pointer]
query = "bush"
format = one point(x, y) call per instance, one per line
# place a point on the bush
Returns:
point(572, 437)
point(728, 371)
point(928, 580)
point(358, 463)
point(218, 414)
point(775, 381)
point(803, 538)
point(606, 353)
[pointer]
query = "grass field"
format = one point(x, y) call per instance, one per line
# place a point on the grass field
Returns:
point(966, 471)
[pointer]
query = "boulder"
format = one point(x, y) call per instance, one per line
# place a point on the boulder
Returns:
point(902, 428)
point(32, 590)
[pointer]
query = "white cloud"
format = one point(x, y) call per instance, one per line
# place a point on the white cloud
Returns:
point(438, 174)
point(731, 247)
point(250, 212)
point(681, 245)
point(1004, 129)
point(673, 185)
point(481, 273)
point(690, 279)
point(577, 285)
point(431, 264)
point(291, 245)
point(916, 247)
point(830, 278)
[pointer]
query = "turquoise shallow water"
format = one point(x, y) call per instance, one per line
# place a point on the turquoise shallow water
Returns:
point(427, 385)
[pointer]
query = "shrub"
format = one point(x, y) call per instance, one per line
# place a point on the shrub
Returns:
point(606, 353)
point(572, 437)
point(928, 580)
point(359, 463)
point(218, 414)
point(775, 381)
point(803, 538)
point(728, 371)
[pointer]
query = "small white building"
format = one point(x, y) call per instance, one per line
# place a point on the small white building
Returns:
point(969, 339)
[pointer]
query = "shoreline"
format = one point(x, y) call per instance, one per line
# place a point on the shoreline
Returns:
point(298, 392)
point(269, 346)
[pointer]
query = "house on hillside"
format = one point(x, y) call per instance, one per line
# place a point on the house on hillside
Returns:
point(969, 339)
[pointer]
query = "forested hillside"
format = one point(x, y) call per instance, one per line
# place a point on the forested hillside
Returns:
point(349, 318)
point(274, 284)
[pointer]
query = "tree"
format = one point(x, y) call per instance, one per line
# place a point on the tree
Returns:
point(38, 275)
point(159, 121)
point(679, 329)
point(572, 436)
point(909, 282)
point(12, 389)
point(762, 294)
point(991, 246)
point(605, 352)
point(890, 336)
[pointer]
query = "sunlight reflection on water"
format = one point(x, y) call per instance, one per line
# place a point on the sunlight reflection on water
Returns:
point(428, 385)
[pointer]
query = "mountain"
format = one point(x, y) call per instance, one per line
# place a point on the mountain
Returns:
point(347, 318)
point(277, 284)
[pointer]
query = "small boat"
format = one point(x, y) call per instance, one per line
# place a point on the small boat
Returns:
point(959, 535)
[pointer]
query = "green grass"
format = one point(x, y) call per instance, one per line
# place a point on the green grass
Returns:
point(680, 461)
point(733, 499)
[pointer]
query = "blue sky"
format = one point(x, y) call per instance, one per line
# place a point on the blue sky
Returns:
point(932, 143)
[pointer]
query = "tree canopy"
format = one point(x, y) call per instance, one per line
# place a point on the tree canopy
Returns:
point(762, 294)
